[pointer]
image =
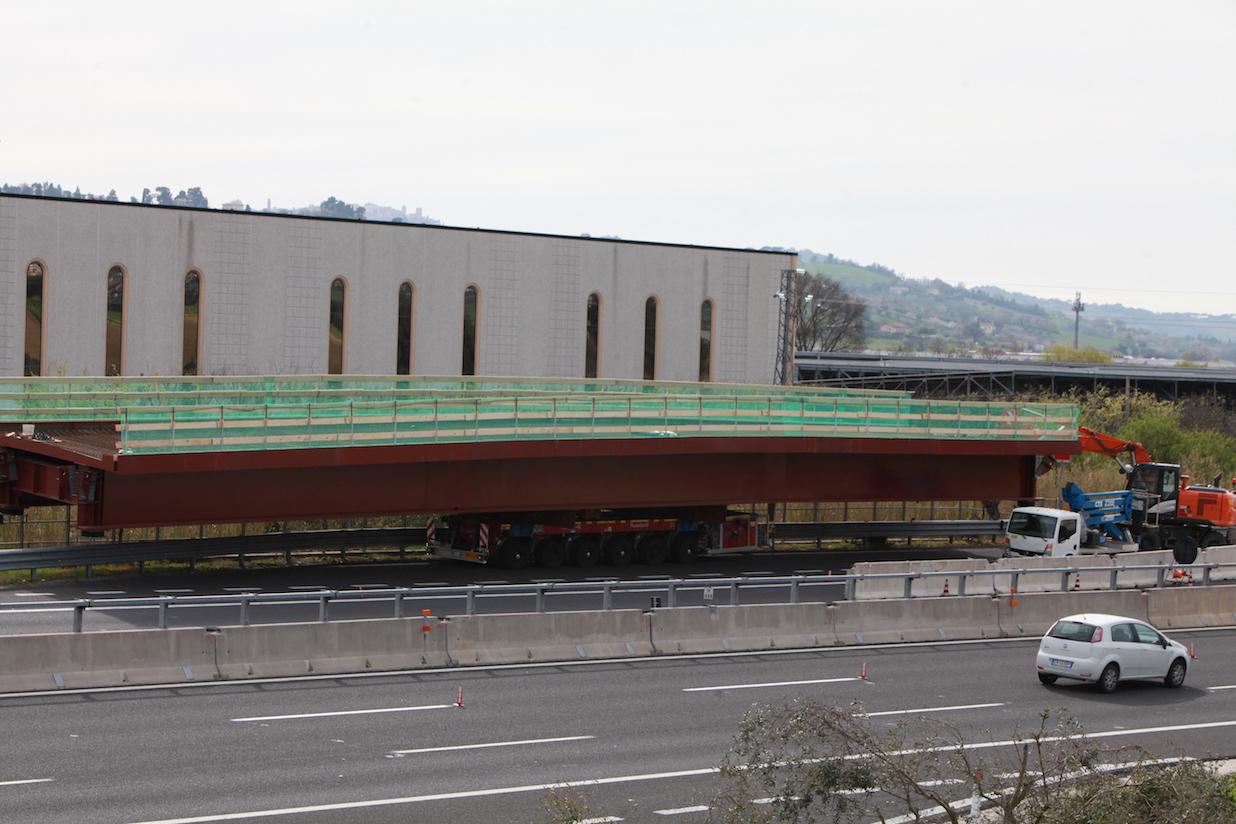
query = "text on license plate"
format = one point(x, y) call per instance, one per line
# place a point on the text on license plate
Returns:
point(1057, 662)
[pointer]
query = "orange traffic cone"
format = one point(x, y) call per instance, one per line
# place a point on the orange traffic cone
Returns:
point(1077, 582)
point(459, 699)
point(1013, 597)
point(862, 671)
point(945, 587)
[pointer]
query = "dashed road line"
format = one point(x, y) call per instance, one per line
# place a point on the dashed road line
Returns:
point(932, 709)
point(493, 744)
point(770, 684)
point(341, 712)
point(19, 781)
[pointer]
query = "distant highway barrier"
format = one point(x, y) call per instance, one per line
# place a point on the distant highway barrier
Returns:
point(215, 654)
point(873, 581)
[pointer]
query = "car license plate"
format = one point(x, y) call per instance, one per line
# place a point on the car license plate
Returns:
point(1057, 662)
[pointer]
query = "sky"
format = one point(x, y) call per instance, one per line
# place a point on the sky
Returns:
point(1048, 147)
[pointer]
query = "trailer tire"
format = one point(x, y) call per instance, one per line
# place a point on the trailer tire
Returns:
point(619, 549)
point(1185, 550)
point(651, 548)
point(514, 552)
point(549, 552)
point(1149, 542)
point(585, 551)
point(684, 547)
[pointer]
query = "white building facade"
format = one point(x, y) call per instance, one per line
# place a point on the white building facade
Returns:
point(95, 288)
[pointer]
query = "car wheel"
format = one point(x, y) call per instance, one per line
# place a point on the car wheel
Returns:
point(619, 549)
point(585, 551)
point(1110, 678)
point(682, 550)
point(1149, 542)
point(549, 552)
point(514, 553)
point(1044, 678)
point(1175, 674)
point(652, 548)
point(1185, 551)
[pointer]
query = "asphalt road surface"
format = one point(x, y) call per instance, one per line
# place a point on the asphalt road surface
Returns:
point(20, 612)
point(640, 739)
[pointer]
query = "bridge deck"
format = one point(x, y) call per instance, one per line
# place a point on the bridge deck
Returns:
point(173, 451)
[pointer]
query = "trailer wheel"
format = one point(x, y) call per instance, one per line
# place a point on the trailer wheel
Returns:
point(585, 551)
point(684, 547)
point(1149, 542)
point(514, 553)
point(549, 552)
point(1185, 550)
point(619, 549)
point(651, 548)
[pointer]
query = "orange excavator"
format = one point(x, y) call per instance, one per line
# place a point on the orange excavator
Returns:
point(1161, 509)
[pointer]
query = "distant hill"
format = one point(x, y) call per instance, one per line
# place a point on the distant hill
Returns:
point(910, 314)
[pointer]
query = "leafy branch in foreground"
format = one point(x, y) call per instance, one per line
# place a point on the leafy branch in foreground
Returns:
point(811, 762)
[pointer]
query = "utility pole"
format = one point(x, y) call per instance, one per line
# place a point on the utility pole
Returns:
point(787, 327)
point(1078, 308)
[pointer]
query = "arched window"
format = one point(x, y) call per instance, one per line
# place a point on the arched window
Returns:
point(471, 301)
point(650, 339)
point(34, 318)
point(113, 360)
point(592, 339)
point(334, 356)
point(706, 341)
point(193, 323)
point(403, 337)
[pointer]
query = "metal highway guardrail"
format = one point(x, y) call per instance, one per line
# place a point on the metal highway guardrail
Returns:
point(672, 587)
point(193, 549)
point(198, 548)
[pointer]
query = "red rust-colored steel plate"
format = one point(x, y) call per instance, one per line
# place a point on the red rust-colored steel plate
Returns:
point(161, 490)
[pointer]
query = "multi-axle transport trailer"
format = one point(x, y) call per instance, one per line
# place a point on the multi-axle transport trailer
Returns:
point(616, 538)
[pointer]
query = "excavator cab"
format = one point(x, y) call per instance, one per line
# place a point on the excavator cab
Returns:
point(1155, 488)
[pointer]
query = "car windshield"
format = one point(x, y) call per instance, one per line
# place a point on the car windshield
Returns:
point(1073, 631)
point(1033, 525)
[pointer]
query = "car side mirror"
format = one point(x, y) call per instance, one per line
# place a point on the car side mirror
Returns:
point(1163, 643)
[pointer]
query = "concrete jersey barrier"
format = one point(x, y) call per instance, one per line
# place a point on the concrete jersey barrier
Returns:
point(102, 659)
point(1220, 555)
point(1049, 582)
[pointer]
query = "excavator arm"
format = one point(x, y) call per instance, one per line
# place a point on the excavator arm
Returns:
point(1091, 441)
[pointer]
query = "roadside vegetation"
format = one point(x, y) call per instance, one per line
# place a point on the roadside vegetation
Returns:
point(807, 761)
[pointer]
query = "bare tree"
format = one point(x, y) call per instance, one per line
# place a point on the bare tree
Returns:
point(812, 762)
point(830, 318)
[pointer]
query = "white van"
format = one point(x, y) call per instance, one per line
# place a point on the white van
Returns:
point(1037, 530)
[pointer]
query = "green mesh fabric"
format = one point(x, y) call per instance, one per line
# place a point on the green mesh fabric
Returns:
point(162, 415)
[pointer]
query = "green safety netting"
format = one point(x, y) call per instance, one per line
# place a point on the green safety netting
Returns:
point(160, 415)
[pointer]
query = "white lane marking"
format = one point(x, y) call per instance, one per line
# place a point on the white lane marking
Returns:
point(602, 820)
point(624, 779)
point(105, 592)
point(814, 652)
point(25, 781)
point(932, 709)
point(769, 684)
point(699, 808)
point(495, 744)
point(414, 799)
point(1223, 687)
point(342, 712)
point(34, 594)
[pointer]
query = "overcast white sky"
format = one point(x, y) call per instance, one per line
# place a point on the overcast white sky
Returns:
point(1074, 144)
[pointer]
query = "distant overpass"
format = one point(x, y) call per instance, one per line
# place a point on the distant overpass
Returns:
point(132, 452)
point(930, 377)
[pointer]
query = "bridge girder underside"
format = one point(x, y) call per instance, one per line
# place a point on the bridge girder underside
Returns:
point(276, 485)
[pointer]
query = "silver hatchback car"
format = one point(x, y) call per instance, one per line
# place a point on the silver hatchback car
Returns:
point(1108, 649)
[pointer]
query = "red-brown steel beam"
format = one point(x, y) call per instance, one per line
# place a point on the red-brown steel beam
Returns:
point(346, 482)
